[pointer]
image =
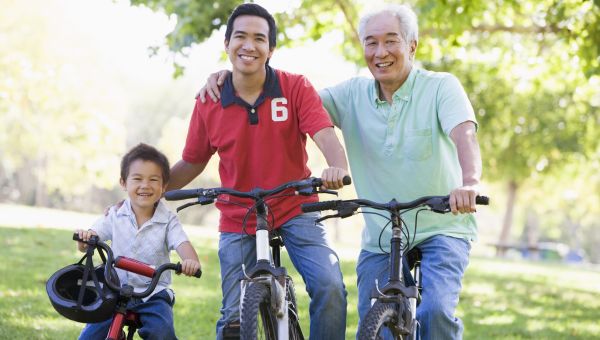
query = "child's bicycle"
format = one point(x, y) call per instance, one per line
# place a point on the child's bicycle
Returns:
point(89, 294)
point(268, 302)
point(393, 307)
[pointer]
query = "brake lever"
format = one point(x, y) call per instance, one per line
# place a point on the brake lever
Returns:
point(326, 217)
point(187, 205)
point(306, 191)
point(439, 205)
point(205, 200)
point(341, 214)
point(347, 212)
point(326, 191)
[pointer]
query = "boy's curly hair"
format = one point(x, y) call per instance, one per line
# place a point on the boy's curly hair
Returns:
point(147, 153)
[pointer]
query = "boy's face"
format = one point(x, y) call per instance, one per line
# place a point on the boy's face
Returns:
point(144, 184)
point(248, 47)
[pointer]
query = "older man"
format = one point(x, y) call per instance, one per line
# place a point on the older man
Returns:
point(409, 132)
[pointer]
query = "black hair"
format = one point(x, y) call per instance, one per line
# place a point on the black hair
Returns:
point(147, 153)
point(255, 10)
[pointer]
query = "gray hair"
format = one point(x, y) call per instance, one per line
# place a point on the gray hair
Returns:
point(404, 14)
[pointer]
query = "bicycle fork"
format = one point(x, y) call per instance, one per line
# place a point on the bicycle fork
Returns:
point(395, 290)
point(268, 272)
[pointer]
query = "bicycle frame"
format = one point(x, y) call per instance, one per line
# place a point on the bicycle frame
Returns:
point(122, 315)
point(396, 284)
point(394, 295)
point(268, 270)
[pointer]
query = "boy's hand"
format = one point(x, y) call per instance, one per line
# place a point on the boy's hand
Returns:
point(189, 267)
point(84, 235)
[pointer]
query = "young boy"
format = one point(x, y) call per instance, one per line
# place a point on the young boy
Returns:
point(144, 229)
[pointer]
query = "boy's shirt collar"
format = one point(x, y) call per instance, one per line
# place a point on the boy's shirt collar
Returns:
point(271, 89)
point(161, 213)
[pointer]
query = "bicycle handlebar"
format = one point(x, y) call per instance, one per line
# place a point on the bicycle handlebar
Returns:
point(131, 265)
point(346, 208)
point(305, 187)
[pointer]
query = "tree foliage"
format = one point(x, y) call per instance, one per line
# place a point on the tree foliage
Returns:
point(50, 140)
point(530, 68)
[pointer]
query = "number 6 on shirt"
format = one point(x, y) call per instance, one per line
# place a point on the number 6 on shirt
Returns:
point(279, 113)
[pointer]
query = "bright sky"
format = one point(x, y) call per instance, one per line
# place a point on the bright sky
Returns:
point(121, 34)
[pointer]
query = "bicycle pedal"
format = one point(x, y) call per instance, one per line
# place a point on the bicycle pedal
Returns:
point(231, 331)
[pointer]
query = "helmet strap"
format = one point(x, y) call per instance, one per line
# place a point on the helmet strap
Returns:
point(89, 268)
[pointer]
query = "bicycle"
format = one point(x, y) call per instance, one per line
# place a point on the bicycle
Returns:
point(93, 294)
point(267, 301)
point(393, 307)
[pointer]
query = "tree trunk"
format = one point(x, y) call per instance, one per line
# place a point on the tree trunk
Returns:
point(41, 192)
point(502, 245)
point(531, 234)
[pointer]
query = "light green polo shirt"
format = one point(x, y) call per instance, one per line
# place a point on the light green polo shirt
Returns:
point(403, 150)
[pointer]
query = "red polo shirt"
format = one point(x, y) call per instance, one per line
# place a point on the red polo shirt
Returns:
point(261, 145)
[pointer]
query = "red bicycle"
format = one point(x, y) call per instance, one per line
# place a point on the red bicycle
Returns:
point(86, 293)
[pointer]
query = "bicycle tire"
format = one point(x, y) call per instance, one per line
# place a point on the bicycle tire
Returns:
point(257, 319)
point(294, 321)
point(382, 316)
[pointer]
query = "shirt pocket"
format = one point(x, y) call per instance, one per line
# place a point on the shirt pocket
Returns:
point(417, 144)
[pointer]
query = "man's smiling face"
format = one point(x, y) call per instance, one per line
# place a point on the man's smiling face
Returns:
point(248, 47)
point(387, 53)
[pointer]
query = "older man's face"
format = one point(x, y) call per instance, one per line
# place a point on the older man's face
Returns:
point(387, 54)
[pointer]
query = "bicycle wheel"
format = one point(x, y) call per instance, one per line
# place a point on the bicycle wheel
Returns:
point(381, 322)
point(294, 320)
point(257, 319)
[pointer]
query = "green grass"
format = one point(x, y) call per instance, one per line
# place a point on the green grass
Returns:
point(500, 300)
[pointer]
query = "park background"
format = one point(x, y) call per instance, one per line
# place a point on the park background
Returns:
point(82, 81)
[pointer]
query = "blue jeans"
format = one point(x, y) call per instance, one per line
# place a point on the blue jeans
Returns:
point(444, 260)
point(156, 316)
point(314, 259)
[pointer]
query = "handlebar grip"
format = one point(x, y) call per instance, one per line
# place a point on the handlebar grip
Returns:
point(179, 269)
point(176, 195)
point(134, 266)
point(319, 206)
point(482, 200)
point(347, 180)
point(93, 239)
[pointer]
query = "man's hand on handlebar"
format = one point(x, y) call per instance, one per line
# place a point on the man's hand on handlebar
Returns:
point(333, 177)
point(462, 199)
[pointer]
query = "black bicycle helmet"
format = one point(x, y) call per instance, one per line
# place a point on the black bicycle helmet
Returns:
point(96, 303)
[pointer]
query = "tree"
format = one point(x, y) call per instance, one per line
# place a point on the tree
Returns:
point(51, 141)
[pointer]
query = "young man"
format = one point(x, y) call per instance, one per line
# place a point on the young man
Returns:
point(409, 133)
point(259, 130)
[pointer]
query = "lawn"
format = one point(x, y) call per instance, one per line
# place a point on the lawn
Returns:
point(500, 300)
